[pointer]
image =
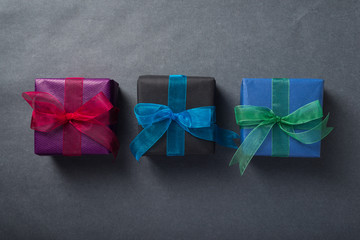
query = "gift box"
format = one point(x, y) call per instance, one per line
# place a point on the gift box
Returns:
point(200, 92)
point(292, 95)
point(90, 135)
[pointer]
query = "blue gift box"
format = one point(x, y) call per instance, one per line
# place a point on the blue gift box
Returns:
point(258, 92)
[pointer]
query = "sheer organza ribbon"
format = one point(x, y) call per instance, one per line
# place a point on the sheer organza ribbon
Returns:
point(91, 119)
point(156, 119)
point(306, 118)
point(174, 119)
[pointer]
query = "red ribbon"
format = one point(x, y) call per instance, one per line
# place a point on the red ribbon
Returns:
point(91, 118)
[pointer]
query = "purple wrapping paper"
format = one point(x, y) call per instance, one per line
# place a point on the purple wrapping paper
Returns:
point(51, 143)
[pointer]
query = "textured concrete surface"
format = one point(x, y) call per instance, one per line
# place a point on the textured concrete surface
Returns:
point(179, 198)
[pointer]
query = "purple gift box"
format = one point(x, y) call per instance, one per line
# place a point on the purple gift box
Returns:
point(51, 143)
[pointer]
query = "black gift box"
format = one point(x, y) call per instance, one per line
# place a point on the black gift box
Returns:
point(200, 93)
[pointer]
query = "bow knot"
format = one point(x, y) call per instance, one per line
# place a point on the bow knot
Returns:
point(70, 116)
point(278, 119)
point(174, 116)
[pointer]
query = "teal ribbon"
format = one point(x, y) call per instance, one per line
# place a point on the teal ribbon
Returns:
point(157, 119)
point(307, 119)
point(175, 142)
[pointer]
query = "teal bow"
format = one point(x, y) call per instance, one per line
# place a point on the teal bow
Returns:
point(156, 119)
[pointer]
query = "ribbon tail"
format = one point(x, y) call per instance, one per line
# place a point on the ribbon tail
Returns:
point(215, 134)
point(249, 146)
point(148, 137)
point(312, 135)
point(47, 112)
point(226, 137)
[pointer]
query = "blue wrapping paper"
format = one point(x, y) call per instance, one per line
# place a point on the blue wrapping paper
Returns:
point(258, 92)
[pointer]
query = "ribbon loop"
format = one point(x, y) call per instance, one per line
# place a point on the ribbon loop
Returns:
point(247, 115)
point(307, 113)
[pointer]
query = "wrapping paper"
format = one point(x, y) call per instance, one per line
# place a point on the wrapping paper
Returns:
point(258, 92)
point(200, 92)
point(51, 143)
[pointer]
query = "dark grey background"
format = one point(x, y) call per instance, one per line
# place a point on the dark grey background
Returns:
point(192, 197)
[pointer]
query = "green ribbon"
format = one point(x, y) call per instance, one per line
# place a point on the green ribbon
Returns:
point(263, 119)
point(280, 106)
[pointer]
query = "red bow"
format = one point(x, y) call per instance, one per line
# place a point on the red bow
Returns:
point(91, 119)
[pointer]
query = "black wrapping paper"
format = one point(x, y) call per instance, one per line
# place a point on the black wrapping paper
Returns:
point(200, 92)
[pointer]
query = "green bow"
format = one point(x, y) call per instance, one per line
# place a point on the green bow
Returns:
point(263, 119)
